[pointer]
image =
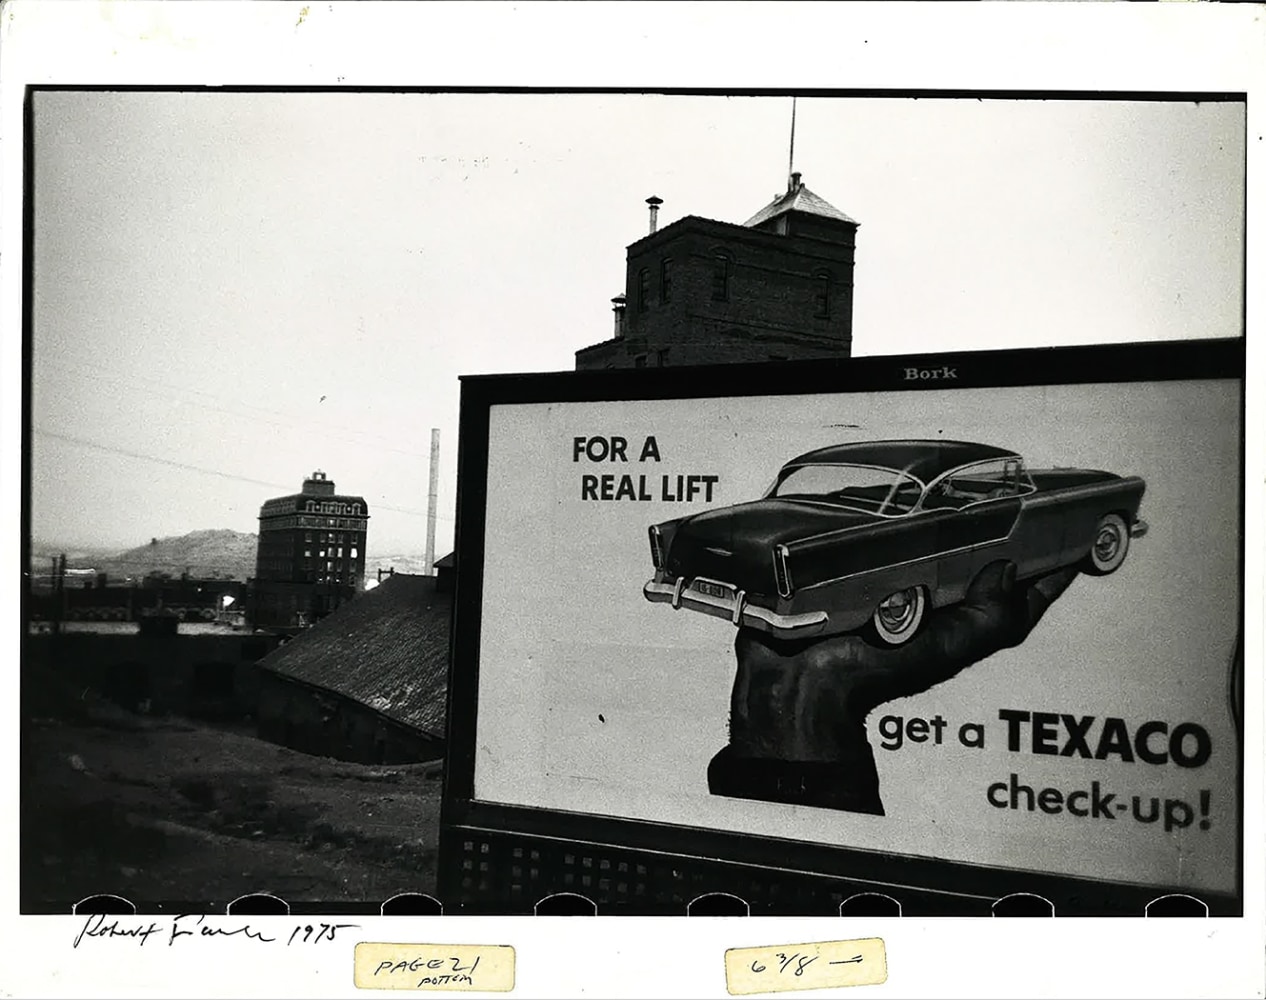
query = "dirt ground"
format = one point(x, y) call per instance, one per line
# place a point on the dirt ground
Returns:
point(168, 809)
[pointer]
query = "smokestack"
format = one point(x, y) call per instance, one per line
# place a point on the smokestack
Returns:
point(431, 499)
point(617, 306)
point(654, 202)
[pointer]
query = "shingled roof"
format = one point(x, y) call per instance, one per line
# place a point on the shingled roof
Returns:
point(387, 649)
point(797, 198)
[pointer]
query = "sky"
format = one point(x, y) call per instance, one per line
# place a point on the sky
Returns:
point(232, 290)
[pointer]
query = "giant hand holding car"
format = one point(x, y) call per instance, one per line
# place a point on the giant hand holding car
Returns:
point(870, 572)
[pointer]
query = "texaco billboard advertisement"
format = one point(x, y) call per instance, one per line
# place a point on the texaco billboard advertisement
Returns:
point(993, 626)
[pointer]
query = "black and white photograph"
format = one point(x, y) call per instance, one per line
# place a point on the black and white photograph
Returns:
point(451, 497)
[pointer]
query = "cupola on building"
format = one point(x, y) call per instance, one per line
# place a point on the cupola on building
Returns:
point(778, 287)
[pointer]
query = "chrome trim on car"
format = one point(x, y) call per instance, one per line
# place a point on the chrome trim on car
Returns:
point(657, 547)
point(837, 505)
point(1044, 499)
point(1138, 529)
point(782, 580)
point(917, 559)
point(737, 609)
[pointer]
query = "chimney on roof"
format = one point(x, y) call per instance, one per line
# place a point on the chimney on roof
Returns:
point(794, 184)
point(432, 500)
point(654, 201)
point(618, 305)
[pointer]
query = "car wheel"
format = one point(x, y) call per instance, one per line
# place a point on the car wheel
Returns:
point(1108, 547)
point(898, 616)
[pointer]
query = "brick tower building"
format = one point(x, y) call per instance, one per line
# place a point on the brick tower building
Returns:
point(778, 287)
point(311, 555)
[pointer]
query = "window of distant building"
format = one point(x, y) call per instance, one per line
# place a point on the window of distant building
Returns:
point(822, 294)
point(666, 279)
point(661, 357)
point(307, 536)
point(353, 552)
point(643, 288)
point(722, 266)
point(639, 361)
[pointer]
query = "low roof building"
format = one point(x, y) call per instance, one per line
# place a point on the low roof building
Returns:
point(386, 652)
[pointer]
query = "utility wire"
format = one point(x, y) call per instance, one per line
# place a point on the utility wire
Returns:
point(287, 420)
point(71, 439)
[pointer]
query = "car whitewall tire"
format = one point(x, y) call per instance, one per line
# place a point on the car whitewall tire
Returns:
point(1108, 547)
point(898, 616)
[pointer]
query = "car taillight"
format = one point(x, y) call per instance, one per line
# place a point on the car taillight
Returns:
point(657, 548)
point(782, 576)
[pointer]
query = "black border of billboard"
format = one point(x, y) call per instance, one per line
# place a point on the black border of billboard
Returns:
point(961, 888)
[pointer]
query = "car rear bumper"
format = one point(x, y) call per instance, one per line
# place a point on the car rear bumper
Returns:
point(1138, 529)
point(736, 609)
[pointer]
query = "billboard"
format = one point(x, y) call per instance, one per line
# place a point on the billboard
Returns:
point(964, 624)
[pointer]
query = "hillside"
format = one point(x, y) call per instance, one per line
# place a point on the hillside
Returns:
point(214, 552)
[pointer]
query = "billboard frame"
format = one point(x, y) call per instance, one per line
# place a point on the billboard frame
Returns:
point(503, 859)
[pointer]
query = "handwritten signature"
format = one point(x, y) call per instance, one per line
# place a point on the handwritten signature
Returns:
point(193, 925)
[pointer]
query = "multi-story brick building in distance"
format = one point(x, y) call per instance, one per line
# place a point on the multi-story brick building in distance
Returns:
point(779, 287)
point(311, 555)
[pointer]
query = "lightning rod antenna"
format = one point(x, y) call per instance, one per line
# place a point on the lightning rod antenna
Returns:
point(791, 155)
